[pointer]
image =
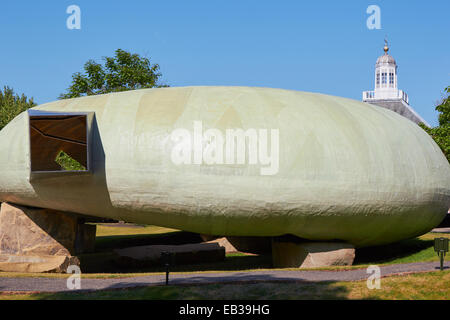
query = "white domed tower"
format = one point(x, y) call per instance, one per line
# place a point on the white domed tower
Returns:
point(386, 93)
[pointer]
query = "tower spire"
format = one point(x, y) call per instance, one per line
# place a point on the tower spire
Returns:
point(386, 47)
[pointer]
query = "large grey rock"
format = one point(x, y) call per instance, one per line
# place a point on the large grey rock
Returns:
point(223, 242)
point(41, 240)
point(36, 264)
point(181, 254)
point(312, 254)
point(36, 231)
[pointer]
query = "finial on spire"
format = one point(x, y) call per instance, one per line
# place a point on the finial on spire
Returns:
point(386, 47)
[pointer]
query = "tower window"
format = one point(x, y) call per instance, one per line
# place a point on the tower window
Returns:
point(391, 79)
point(378, 79)
point(384, 78)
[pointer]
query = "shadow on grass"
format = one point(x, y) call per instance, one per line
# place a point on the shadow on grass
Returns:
point(244, 286)
point(391, 252)
point(108, 243)
point(105, 262)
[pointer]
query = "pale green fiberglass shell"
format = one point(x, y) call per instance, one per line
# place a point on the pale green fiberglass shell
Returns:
point(348, 170)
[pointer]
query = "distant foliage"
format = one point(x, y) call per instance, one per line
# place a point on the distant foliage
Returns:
point(124, 71)
point(12, 104)
point(441, 133)
point(67, 163)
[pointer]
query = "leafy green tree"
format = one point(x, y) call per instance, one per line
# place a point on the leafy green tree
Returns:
point(124, 71)
point(441, 133)
point(12, 104)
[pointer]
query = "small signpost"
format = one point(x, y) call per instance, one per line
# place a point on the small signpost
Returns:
point(166, 259)
point(441, 248)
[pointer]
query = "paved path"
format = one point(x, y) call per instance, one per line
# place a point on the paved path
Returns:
point(441, 230)
point(57, 285)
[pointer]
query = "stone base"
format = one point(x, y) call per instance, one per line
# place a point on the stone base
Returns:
point(143, 256)
point(311, 254)
point(223, 242)
point(41, 239)
point(85, 239)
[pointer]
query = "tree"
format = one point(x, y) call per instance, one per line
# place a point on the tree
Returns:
point(12, 104)
point(124, 71)
point(441, 133)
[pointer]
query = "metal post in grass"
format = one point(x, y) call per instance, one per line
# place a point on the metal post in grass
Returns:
point(441, 248)
point(165, 257)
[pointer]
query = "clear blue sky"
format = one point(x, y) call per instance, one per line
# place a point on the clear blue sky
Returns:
point(319, 46)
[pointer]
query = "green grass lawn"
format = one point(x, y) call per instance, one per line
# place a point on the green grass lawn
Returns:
point(424, 286)
point(433, 285)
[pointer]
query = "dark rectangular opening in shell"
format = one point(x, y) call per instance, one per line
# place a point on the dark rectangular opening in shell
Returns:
point(58, 142)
